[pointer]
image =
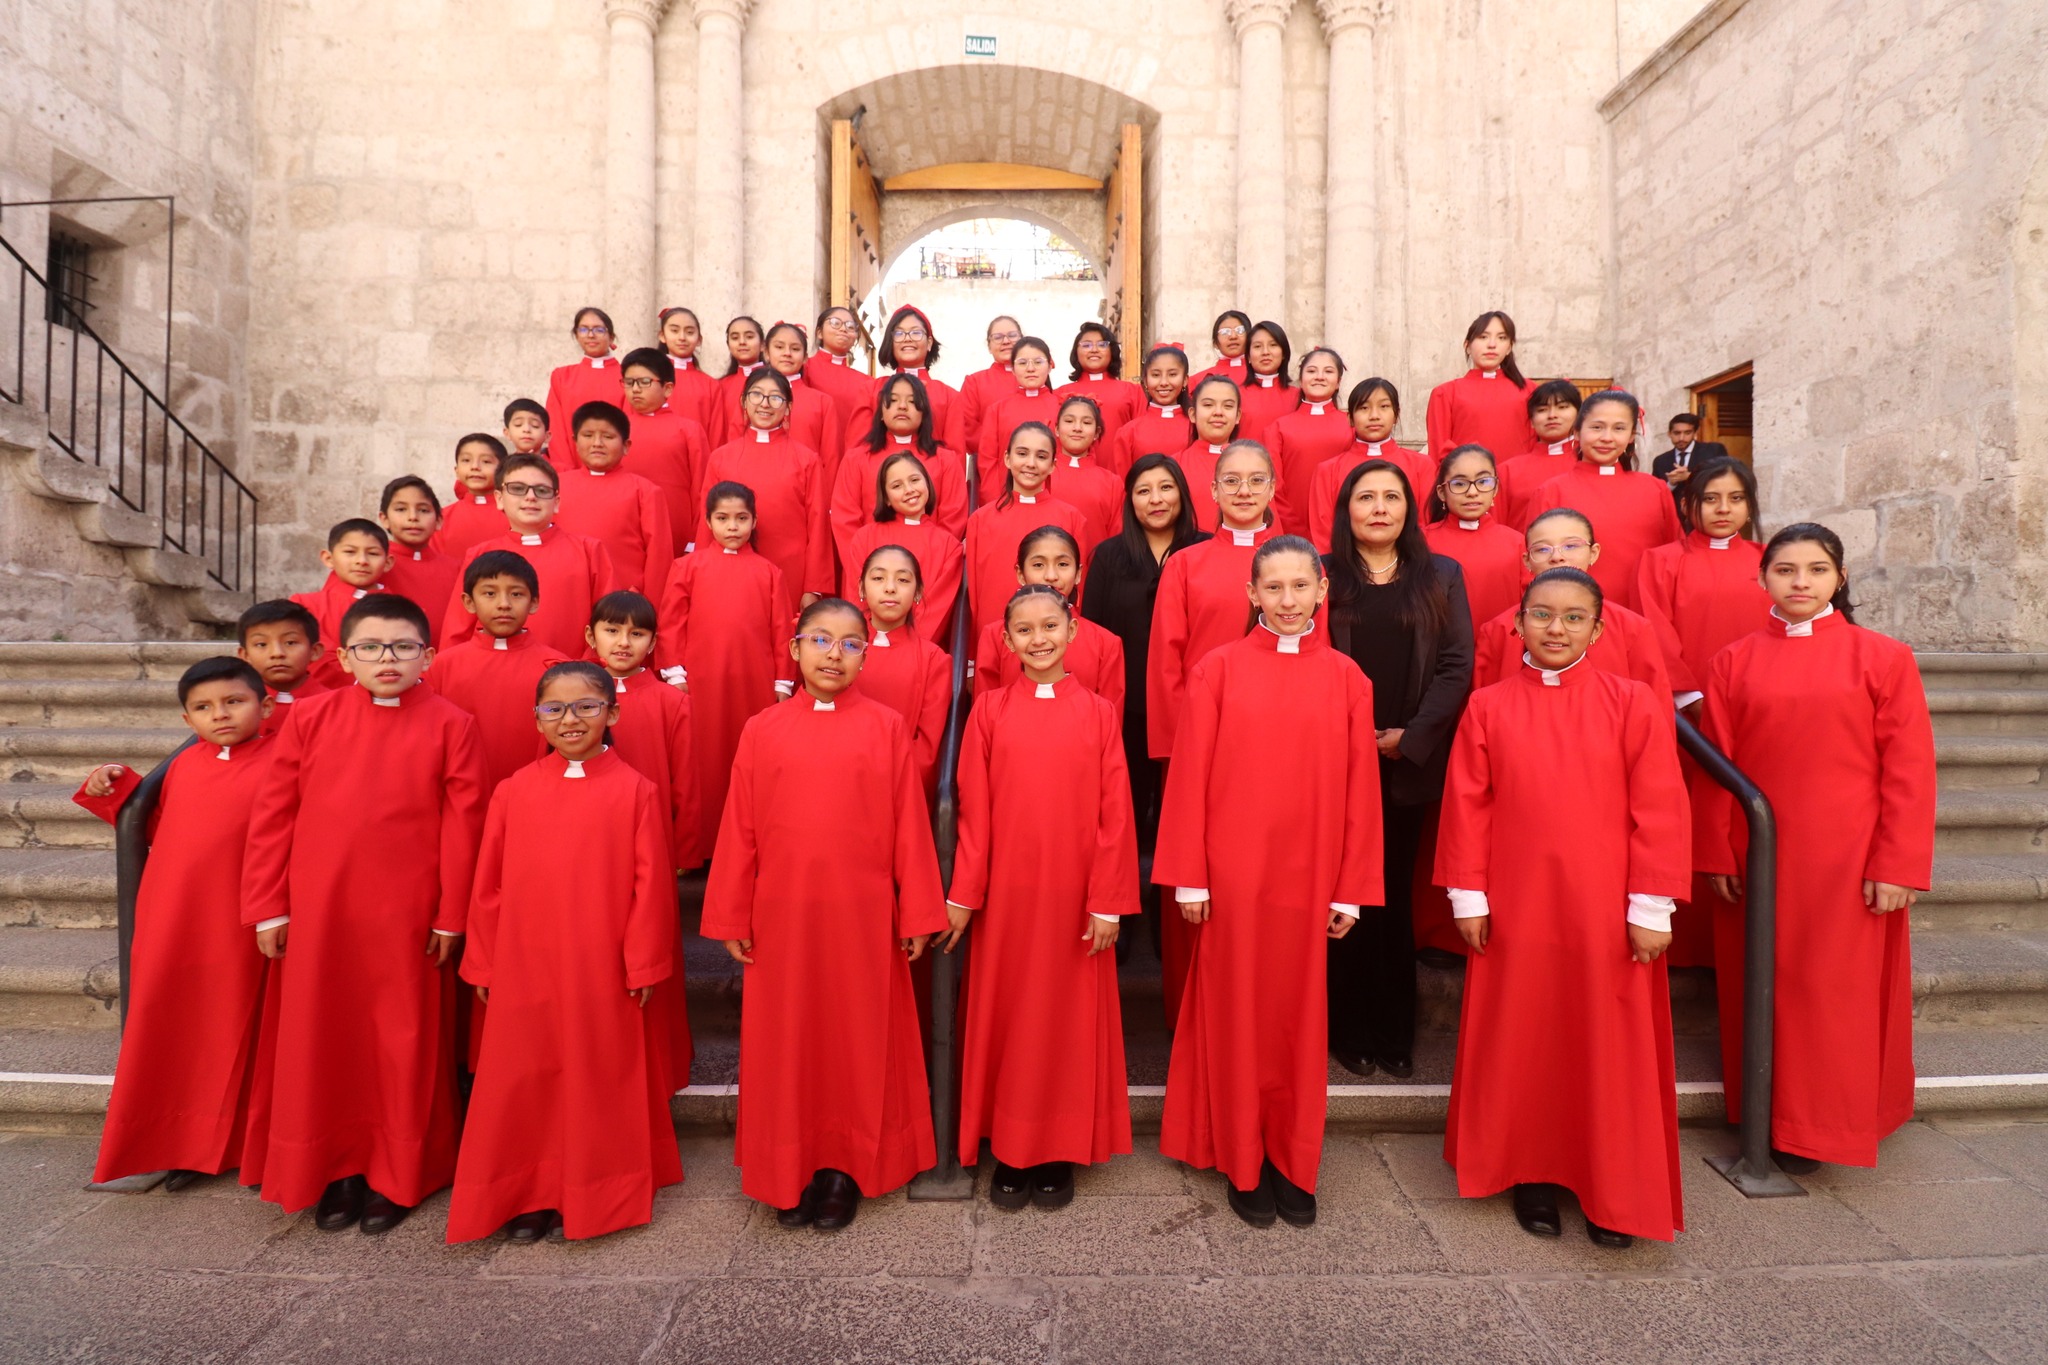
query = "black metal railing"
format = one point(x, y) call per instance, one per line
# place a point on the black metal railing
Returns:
point(100, 412)
point(131, 854)
point(1751, 1169)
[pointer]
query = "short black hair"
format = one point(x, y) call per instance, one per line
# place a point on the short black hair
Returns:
point(400, 484)
point(597, 410)
point(220, 668)
point(519, 405)
point(500, 564)
point(1579, 578)
point(626, 608)
point(1690, 419)
point(484, 438)
point(385, 606)
point(726, 490)
point(512, 463)
point(357, 526)
point(651, 359)
point(1554, 391)
point(279, 611)
point(599, 680)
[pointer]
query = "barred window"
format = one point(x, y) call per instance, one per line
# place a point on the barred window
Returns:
point(69, 298)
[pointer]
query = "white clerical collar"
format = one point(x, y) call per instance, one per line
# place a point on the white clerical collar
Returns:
point(683, 362)
point(1168, 410)
point(1215, 449)
point(1372, 449)
point(594, 473)
point(1030, 393)
point(1802, 629)
point(728, 549)
point(1318, 409)
point(223, 754)
point(618, 685)
point(597, 362)
point(575, 765)
point(834, 358)
point(500, 642)
point(1044, 690)
point(1243, 538)
point(1557, 447)
point(1721, 542)
point(912, 521)
point(817, 705)
point(480, 498)
point(1027, 497)
point(749, 369)
point(418, 555)
point(1287, 644)
point(1606, 470)
point(795, 379)
point(1551, 676)
point(762, 435)
point(1073, 461)
point(529, 538)
point(384, 701)
point(361, 593)
point(1266, 381)
point(282, 698)
point(1489, 374)
point(901, 440)
point(1464, 525)
point(881, 640)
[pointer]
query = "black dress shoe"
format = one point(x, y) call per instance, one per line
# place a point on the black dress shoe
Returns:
point(1255, 1205)
point(1009, 1187)
point(1293, 1203)
point(805, 1209)
point(1052, 1184)
point(380, 1215)
point(1536, 1210)
point(531, 1227)
point(1787, 1162)
point(838, 1200)
point(1439, 957)
point(341, 1205)
point(179, 1179)
point(1608, 1237)
point(1355, 1063)
point(1398, 1065)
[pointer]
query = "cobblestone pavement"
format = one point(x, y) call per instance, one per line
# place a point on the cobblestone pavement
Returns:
point(1941, 1254)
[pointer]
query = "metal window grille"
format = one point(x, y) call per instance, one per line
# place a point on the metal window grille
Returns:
point(69, 297)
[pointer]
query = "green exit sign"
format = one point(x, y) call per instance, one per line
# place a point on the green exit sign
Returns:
point(981, 44)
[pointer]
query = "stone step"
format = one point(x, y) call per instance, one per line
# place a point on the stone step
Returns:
point(39, 660)
point(1968, 979)
point(2010, 820)
point(1988, 710)
point(89, 703)
point(1943, 671)
point(1973, 762)
point(1985, 891)
point(43, 815)
point(57, 888)
point(59, 979)
point(52, 754)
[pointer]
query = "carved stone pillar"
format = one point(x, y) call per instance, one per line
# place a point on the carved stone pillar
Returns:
point(721, 204)
point(1351, 186)
point(629, 262)
point(1261, 156)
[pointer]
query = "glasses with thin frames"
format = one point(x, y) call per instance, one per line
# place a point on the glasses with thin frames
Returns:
point(1573, 620)
point(1258, 483)
point(543, 491)
point(583, 708)
point(1485, 483)
point(852, 646)
point(1558, 550)
point(370, 651)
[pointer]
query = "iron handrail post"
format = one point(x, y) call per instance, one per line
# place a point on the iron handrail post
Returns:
point(131, 855)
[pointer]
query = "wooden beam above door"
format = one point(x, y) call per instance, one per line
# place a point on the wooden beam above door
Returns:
point(989, 175)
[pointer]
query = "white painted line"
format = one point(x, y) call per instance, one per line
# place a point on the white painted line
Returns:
point(51, 1078)
point(1954, 1082)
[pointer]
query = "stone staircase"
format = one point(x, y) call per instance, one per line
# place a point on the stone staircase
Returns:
point(1980, 938)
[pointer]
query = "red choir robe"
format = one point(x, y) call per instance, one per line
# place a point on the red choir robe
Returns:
point(569, 388)
point(1042, 1076)
point(1574, 1087)
point(1095, 660)
point(1119, 400)
point(1490, 555)
point(1832, 723)
point(994, 534)
point(308, 686)
point(1232, 367)
point(944, 399)
point(1266, 398)
point(427, 576)
point(855, 497)
point(668, 451)
point(1479, 408)
point(1094, 492)
point(1331, 473)
point(1000, 422)
point(195, 977)
point(574, 571)
point(1630, 514)
point(363, 1077)
point(814, 420)
point(328, 606)
point(653, 735)
point(791, 504)
point(494, 680)
point(1630, 646)
point(1152, 430)
point(827, 965)
point(979, 392)
point(843, 382)
point(1300, 442)
point(570, 1107)
point(1522, 475)
point(726, 620)
point(468, 519)
point(1201, 606)
point(629, 515)
point(726, 407)
point(1290, 720)
point(694, 393)
point(940, 559)
point(914, 678)
point(1198, 466)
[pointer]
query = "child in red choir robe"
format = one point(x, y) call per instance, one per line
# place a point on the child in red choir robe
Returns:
point(574, 570)
point(985, 387)
point(1214, 407)
point(909, 347)
point(1045, 885)
point(613, 505)
point(1483, 406)
point(1266, 881)
point(1553, 418)
point(357, 554)
point(1020, 505)
point(472, 515)
point(281, 641)
point(1266, 394)
point(831, 369)
point(669, 445)
point(826, 903)
point(195, 981)
point(652, 732)
point(902, 668)
point(1566, 819)
point(695, 392)
point(815, 418)
point(1830, 720)
point(1467, 489)
point(1375, 410)
point(1605, 486)
point(1031, 401)
point(592, 378)
point(1318, 430)
point(492, 673)
point(359, 869)
point(526, 428)
point(1229, 332)
point(788, 480)
point(902, 426)
point(1159, 425)
point(724, 622)
point(743, 361)
point(411, 516)
point(1077, 479)
point(903, 498)
point(568, 1124)
point(1049, 556)
point(1096, 367)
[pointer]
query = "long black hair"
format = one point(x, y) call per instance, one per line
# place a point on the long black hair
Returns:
point(1508, 366)
point(1009, 494)
point(1693, 492)
point(878, 434)
point(1279, 334)
point(732, 363)
point(1438, 508)
point(1635, 421)
point(931, 354)
point(1420, 598)
point(916, 576)
point(1115, 369)
point(1195, 394)
point(1132, 537)
point(1216, 328)
point(1813, 533)
point(1178, 352)
point(883, 511)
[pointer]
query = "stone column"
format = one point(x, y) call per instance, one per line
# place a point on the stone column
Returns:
point(720, 208)
point(629, 261)
point(1351, 190)
point(1261, 157)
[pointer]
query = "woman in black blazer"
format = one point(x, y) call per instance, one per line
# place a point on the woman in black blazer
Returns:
point(1400, 612)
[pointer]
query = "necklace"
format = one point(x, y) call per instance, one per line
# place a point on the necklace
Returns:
point(1377, 575)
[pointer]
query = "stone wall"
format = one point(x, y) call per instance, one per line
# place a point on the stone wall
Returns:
point(1834, 190)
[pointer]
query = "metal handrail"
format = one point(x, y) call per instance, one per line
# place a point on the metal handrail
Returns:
point(1751, 1169)
point(101, 412)
point(949, 1179)
point(131, 855)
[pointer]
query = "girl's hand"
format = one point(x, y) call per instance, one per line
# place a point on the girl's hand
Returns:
point(640, 996)
point(1100, 933)
point(441, 947)
point(1692, 711)
point(809, 598)
point(681, 685)
point(483, 993)
point(100, 781)
point(1730, 888)
point(913, 948)
point(1340, 924)
point(1647, 945)
point(1195, 912)
point(957, 917)
point(1390, 742)
point(1475, 931)
point(270, 942)
point(1885, 897)
point(740, 950)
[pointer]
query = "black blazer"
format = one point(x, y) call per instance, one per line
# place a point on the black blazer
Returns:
point(1702, 451)
point(1118, 596)
point(1439, 680)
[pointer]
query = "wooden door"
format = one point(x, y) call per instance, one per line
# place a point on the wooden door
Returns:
point(856, 233)
point(1724, 404)
point(1124, 280)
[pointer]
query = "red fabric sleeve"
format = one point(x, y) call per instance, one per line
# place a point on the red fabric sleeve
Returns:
point(650, 936)
point(672, 634)
point(971, 852)
point(682, 787)
point(267, 858)
point(1182, 856)
point(1716, 818)
point(1902, 850)
point(1112, 690)
point(1660, 816)
point(935, 700)
point(920, 902)
point(462, 816)
point(735, 867)
point(660, 538)
point(486, 894)
point(108, 807)
point(1361, 875)
point(818, 552)
point(1113, 875)
point(1438, 425)
point(1464, 840)
point(1165, 677)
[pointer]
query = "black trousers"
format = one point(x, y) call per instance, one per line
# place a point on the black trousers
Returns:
point(1145, 793)
point(1372, 968)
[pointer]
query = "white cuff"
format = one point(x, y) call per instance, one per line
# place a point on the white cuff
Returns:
point(956, 905)
point(276, 923)
point(675, 675)
point(1468, 904)
point(1189, 895)
point(449, 933)
point(1685, 699)
point(1106, 919)
point(784, 689)
point(1344, 908)
point(970, 670)
point(1651, 912)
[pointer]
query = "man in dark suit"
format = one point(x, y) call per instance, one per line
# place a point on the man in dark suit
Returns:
point(1687, 452)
